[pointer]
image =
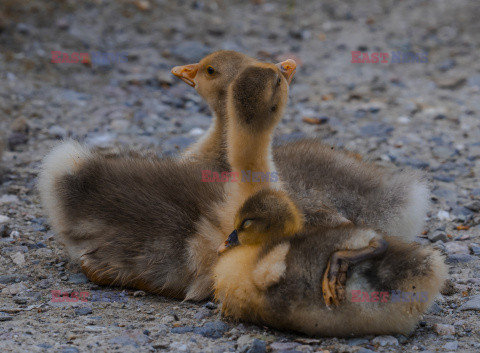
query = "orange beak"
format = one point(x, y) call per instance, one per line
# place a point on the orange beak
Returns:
point(187, 73)
point(288, 68)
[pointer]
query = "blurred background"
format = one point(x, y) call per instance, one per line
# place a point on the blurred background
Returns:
point(108, 103)
point(421, 115)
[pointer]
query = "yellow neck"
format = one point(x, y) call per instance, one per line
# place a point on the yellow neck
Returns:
point(250, 155)
point(212, 144)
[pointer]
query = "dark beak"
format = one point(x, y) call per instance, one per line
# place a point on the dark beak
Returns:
point(231, 242)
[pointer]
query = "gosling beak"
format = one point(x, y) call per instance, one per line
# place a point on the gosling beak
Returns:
point(288, 68)
point(187, 73)
point(231, 241)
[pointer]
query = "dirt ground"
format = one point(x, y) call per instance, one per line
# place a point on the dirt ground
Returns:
point(421, 115)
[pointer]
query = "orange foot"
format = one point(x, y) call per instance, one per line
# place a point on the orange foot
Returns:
point(334, 279)
point(335, 276)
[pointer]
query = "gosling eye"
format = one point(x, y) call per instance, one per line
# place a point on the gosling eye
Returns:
point(210, 70)
point(246, 223)
point(279, 81)
point(273, 109)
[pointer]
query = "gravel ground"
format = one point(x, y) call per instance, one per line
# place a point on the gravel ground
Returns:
point(417, 115)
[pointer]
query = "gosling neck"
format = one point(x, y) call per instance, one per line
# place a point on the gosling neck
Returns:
point(212, 144)
point(250, 157)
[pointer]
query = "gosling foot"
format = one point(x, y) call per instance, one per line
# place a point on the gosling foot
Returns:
point(335, 275)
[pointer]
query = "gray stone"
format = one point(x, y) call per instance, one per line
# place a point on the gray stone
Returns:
point(32, 296)
point(376, 130)
point(446, 65)
point(78, 278)
point(444, 152)
point(385, 341)
point(4, 231)
point(84, 310)
point(73, 96)
point(214, 329)
point(14, 249)
point(472, 304)
point(473, 206)
point(365, 350)
point(414, 163)
point(439, 245)
point(69, 350)
point(475, 249)
point(16, 139)
point(5, 316)
point(435, 309)
point(9, 279)
point(258, 346)
point(461, 211)
point(202, 314)
point(178, 347)
point(451, 346)
point(20, 300)
point(44, 345)
point(475, 192)
point(455, 247)
point(23, 28)
point(182, 329)
point(15, 288)
point(283, 346)
point(211, 306)
point(123, 341)
point(244, 342)
point(459, 258)
point(357, 341)
point(438, 235)
point(223, 349)
point(444, 329)
point(446, 194)
point(474, 80)
point(444, 178)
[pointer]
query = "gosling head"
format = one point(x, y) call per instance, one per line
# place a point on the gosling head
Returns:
point(266, 216)
point(214, 73)
point(257, 97)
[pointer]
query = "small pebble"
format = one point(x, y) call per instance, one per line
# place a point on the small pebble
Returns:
point(385, 341)
point(451, 346)
point(456, 248)
point(472, 304)
point(244, 343)
point(258, 346)
point(211, 306)
point(444, 329)
point(5, 316)
point(203, 313)
point(84, 310)
point(78, 278)
point(214, 329)
point(475, 249)
point(438, 235)
point(4, 219)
